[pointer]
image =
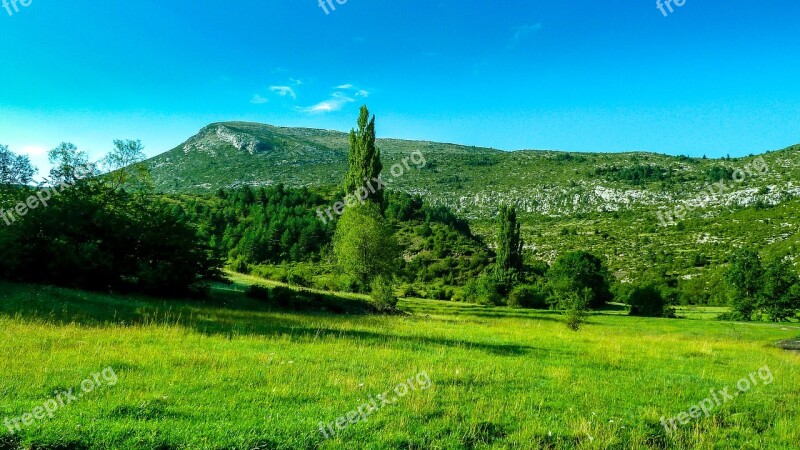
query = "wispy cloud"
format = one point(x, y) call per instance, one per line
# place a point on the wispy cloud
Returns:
point(258, 100)
point(283, 91)
point(342, 95)
point(520, 33)
point(335, 103)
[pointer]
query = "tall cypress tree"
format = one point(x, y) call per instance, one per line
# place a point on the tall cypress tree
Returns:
point(365, 157)
point(508, 265)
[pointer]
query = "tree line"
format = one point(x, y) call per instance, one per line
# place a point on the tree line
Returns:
point(106, 231)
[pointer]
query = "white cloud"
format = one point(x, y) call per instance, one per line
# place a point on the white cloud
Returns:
point(342, 95)
point(335, 103)
point(258, 100)
point(283, 91)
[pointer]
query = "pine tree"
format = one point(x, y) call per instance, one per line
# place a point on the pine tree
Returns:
point(365, 158)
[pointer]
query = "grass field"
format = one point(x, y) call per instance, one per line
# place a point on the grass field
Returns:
point(233, 373)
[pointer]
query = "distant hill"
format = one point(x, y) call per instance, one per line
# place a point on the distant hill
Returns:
point(608, 202)
point(472, 180)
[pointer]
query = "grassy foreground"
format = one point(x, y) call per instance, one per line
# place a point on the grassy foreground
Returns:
point(233, 373)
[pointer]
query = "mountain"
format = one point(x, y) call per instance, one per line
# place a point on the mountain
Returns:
point(627, 206)
point(472, 180)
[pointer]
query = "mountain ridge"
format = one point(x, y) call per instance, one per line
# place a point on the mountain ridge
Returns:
point(547, 182)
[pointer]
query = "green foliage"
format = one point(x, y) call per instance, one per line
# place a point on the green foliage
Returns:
point(578, 275)
point(528, 296)
point(717, 173)
point(365, 158)
point(745, 276)
point(15, 169)
point(484, 291)
point(576, 307)
point(267, 225)
point(69, 164)
point(637, 174)
point(780, 298)
point(770, 288)
point(382, 295)
point(508, 264)
point(125, 166)
point(94, 238)
point(648, 301)
point(364, 244)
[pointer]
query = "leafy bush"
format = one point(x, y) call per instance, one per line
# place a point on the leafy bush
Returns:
point(383, 294)
point(483, 291)
point(299, 277)
point(528, 296)
point(648, 301)
point(576, 308)
point(574, 274)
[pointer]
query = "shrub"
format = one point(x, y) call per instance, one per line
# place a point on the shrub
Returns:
point(346, 283)
point(484, 291)
point(298, 277)
point(648, 301)
point(576, 308)
point(528, 296)
point(240, 266)
point(383, 294)
point(409, 291)
point(575, 274)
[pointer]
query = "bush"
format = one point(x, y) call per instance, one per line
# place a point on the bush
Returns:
point(647, 301)
point(240, 266)
point(483, 291)
point(575, 274)
point(383, 294)
point(346, 283)
point(298, 277)
point(576, 308)
point(528, 296)
point(409, 291)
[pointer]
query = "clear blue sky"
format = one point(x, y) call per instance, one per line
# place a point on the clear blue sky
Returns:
point(713, 77)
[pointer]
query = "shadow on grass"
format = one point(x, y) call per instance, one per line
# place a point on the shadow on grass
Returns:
point(226, 313)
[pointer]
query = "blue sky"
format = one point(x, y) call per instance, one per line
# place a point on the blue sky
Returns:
point(714, 77)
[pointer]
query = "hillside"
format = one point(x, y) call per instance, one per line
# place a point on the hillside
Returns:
point(609, 203)
point(472, 180)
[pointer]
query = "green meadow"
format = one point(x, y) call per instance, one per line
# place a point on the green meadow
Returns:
point(232, 372)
